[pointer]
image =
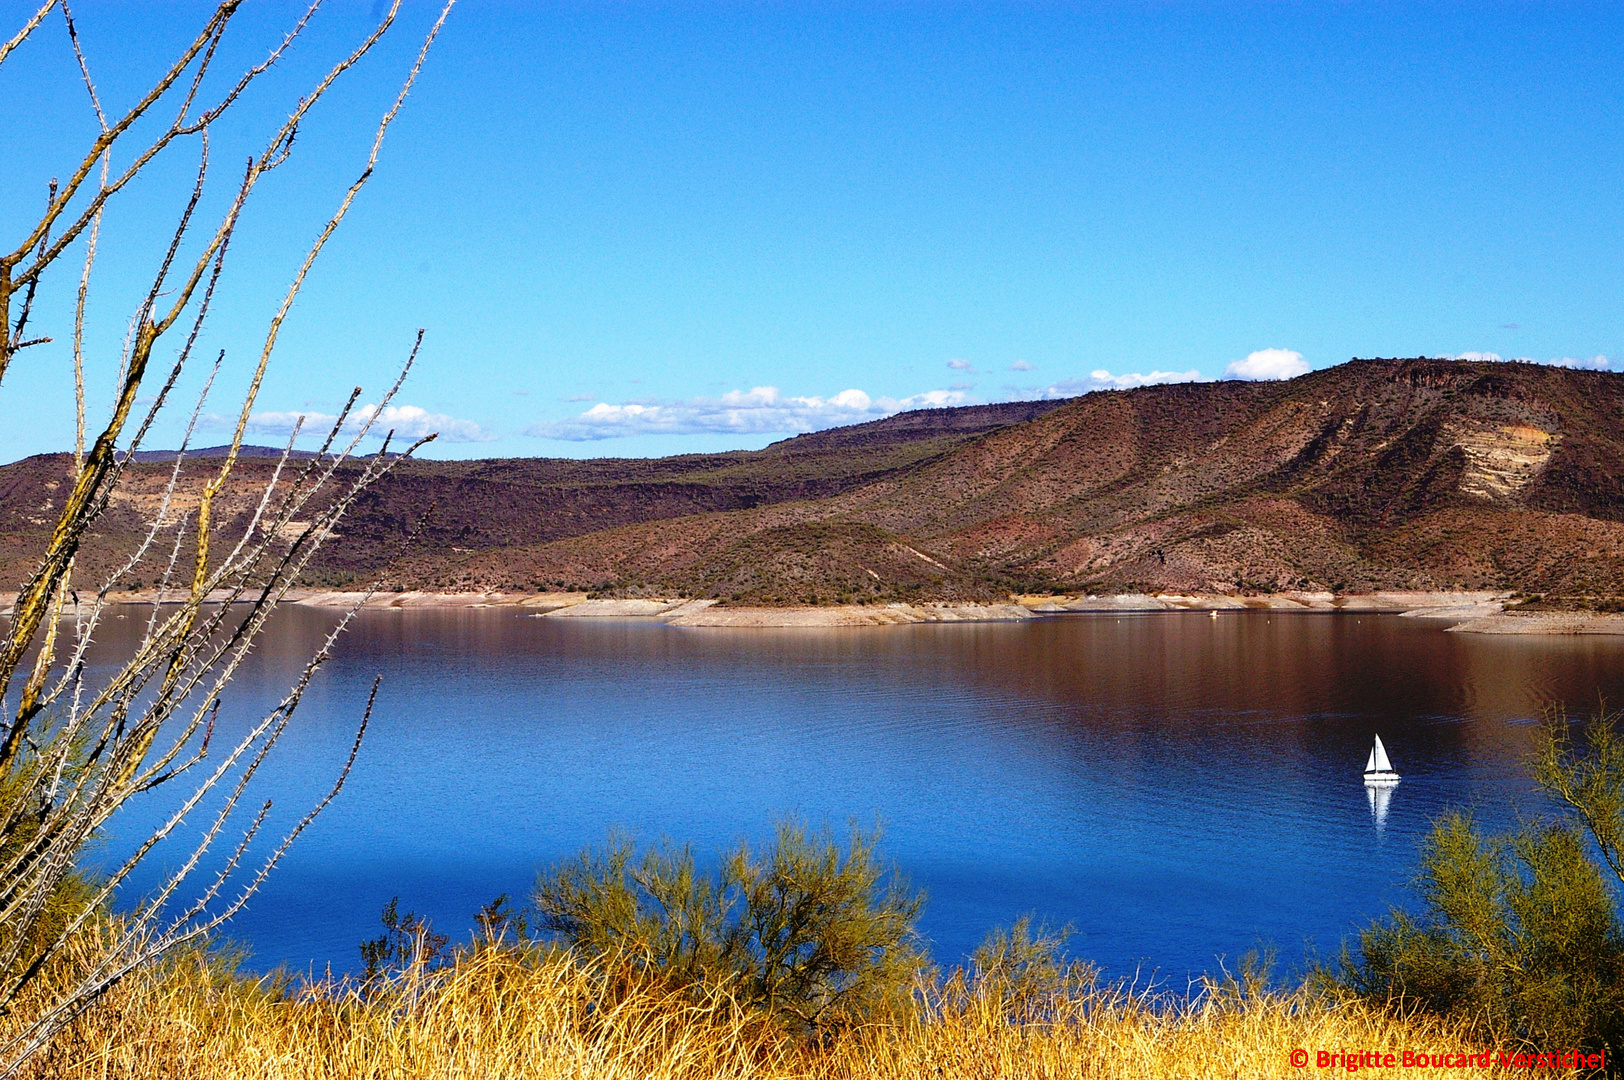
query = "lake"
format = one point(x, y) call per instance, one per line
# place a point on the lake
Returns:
point(1176, 788)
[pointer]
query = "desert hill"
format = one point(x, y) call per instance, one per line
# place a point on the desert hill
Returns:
point(1376, 474)
point(453, 508)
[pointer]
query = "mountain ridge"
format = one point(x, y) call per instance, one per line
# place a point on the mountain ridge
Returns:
point(1375, 474)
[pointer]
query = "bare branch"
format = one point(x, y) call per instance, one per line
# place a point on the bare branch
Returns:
point(84, 68)
point(28, 28)
point(77, 747)
point(215, 25)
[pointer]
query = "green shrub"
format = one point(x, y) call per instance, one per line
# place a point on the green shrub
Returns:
point(1519, 934)
point(810, 936)
point(1025, 971)
point(408, 942)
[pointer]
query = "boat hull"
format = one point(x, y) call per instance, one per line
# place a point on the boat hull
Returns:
point(1382, 778)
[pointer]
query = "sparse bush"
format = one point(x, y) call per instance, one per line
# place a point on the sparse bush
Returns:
point(498, 923)
point(63, 903)
point(1519, 934)
point(1024, 971)
point(408, 941)
point(806, 935)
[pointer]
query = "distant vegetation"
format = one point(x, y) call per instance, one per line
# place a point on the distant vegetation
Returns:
point(1378, 474)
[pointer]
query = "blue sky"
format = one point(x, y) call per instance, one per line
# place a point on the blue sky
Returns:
point(638, 229)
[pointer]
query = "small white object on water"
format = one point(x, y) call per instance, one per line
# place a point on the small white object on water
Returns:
point(1378, 770)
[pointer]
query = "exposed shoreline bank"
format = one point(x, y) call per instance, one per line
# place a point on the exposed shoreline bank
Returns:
point(1470, 612)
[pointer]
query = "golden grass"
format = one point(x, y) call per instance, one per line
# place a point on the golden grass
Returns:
point(498, 1014)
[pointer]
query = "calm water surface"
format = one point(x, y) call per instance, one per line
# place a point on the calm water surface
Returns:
point(1177, 788)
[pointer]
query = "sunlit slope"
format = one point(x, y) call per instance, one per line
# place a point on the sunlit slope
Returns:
point(1375, 474)
point(439, 513)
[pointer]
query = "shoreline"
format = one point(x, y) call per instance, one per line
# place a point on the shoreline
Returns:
point(1469, 612)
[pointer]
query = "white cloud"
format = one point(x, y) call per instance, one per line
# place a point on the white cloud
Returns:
point(1599, 362)
point(1268, 364)
point(1104, 380)
point(1022, 365)
point(961, 365)
point(1593, 363)
point(406, 421)
point(763, 410)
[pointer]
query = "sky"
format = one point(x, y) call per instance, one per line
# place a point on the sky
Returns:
point(636, 229)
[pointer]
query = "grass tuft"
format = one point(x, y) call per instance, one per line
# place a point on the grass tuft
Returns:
point(499, 1011)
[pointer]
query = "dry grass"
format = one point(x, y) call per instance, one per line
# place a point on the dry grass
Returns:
point(499, 1013)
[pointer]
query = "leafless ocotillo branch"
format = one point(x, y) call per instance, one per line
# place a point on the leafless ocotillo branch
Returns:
point(75, 749)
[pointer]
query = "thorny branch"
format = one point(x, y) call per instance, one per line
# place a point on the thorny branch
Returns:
point(73, 749)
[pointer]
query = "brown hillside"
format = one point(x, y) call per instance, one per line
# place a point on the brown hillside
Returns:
point(1375, 474)
point(459, 508)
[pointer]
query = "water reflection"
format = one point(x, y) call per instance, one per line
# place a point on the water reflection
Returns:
point(1380, 796)
point(1175, 787)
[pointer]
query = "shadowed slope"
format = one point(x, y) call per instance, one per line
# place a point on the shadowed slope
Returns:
point(1422, 474)
point(1374, 474)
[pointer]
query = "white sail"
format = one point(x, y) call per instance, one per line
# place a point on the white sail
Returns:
point(1370, 766)
point(1378, 758)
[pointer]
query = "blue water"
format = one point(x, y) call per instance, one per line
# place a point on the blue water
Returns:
point(1178, 789)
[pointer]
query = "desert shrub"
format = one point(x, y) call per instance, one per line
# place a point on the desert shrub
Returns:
point(1023, 970)
point(1519, 934)
point(147, 717)
point(808, 935)
point(500, 925)
point(408, 941)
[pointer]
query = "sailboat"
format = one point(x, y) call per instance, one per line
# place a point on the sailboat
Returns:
point(1378, 770)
